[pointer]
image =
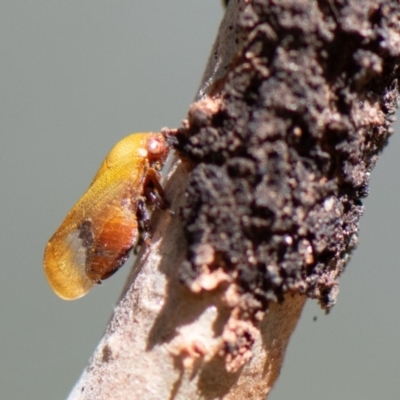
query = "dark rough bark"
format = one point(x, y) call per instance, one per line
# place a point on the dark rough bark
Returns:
point(282, 157)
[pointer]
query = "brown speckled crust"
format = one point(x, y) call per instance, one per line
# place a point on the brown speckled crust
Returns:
point(282, 155)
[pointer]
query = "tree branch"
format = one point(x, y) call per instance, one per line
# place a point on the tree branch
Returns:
point(295, 105)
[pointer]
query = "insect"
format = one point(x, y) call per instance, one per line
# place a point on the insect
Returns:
point(102, 228)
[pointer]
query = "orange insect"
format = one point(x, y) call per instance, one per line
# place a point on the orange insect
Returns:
point(102, 228)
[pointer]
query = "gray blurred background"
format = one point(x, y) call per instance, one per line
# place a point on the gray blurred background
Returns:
point(75, 77)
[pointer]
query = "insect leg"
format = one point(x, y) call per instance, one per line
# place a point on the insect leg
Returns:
point(144, 217)
point(154, 199)
point(153, 185)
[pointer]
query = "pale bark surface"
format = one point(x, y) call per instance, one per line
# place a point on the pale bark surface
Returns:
point(272, 162)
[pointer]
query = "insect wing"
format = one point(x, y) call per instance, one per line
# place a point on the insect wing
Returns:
point(95, 238)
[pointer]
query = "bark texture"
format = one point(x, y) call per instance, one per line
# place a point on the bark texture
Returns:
point(273, 161)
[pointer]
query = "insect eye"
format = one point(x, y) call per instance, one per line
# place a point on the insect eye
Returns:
point(157, 148)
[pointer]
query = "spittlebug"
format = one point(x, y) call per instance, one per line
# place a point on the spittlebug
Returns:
point(102, 228)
